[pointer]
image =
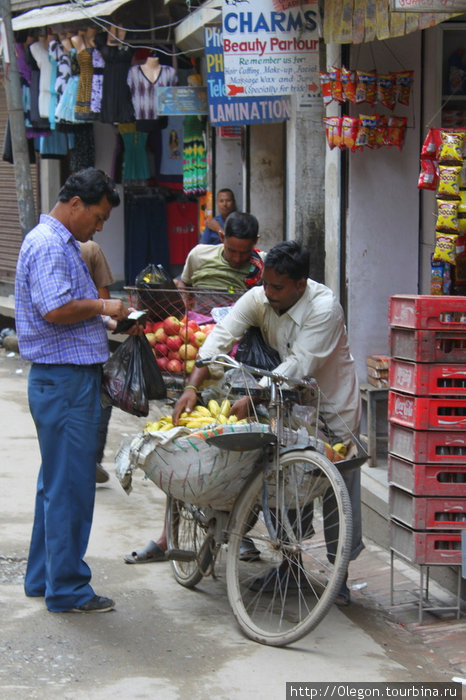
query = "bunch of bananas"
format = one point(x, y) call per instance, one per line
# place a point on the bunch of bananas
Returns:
point(199, 417)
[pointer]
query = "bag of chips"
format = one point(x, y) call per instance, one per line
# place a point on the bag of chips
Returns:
point(366, 131)
point(333, 131)
point(451, 149)
point(365, 86)
point(335, 82)
point(445, 246)
point(386, 90)
point(432, 143)
point(428, 177)
point(326, 88)
point(447, 215)
point(396, 131)
point(403, 83)
point(349, 130)
point(348, 81)
point(449, 180)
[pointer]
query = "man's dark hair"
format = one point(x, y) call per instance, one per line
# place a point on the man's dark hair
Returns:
point(241, 225)
point(227, 189)
point(289, 258)
point(90, 185)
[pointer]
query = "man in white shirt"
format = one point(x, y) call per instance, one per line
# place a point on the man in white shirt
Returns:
point(304, 322)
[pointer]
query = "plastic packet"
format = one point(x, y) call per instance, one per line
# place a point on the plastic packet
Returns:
point(396, 131)
point(445, 246)
point(366, 130)
point(447, 215)
point(349, 130)
point(385, 92)
point(326, 88)
point(431, 145)
point(428, 177)
point(451, 149)
point(335, 82)
point(449, 180)
point(403, 84)
point(365, 86)
point(348, 81)
point(333, 131)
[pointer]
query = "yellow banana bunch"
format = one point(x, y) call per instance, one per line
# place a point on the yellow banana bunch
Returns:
point(199, 417)
point(213, 407)
point(225, 407)
point(340, 448)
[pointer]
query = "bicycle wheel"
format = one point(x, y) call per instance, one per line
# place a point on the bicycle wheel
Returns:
point(285, 594)
point(187, 531)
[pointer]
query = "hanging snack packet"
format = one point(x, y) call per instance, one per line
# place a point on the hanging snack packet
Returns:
point(348, 81)
point(366, 131)
point(385, 93)
point(333, 131)
point(365, 86)
point(428, 177)
point(381, 132)
point(449, 180)
point(335, 82)
point(326, 88)
point(403, 83)
point(447, 215)
point(445, 247)
point(349, 130)
point(451, 150)
point(396, 131)
point(436, 277)
point(432, 144)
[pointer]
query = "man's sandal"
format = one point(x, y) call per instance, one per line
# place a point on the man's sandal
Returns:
point(151, 553)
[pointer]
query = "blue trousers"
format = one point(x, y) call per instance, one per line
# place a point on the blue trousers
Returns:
point(65, 404)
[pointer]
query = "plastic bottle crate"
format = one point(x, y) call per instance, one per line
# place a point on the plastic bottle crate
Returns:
point(424, 413)
point(427, 311)
point(426, 548)
point(447, 347)
point(431, 447)
point(427, 479)
point(427, 379)
point(427, 512)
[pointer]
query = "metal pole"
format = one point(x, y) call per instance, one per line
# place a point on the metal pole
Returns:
point(24, 191)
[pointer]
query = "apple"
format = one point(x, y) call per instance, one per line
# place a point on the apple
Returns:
point(151, 338)
point(189, 366)
point(174, 366)
point(163, 363)
point(193, 325)
point(156, 326)
point(199, 338)
point(160, 335)
point(174, 342)
point(173, 355)
point(188, 352)
point(171, 325)
point(161, 349)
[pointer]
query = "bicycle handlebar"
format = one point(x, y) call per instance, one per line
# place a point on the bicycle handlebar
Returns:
point(227, 361)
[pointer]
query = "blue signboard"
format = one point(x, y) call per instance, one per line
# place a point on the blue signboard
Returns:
point(227, 111)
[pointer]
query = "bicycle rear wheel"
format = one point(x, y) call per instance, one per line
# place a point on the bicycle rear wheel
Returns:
point(285, 594)
point(187, 531)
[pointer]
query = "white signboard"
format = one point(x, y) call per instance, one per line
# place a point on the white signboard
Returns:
point(271, 47)
point(428, 5)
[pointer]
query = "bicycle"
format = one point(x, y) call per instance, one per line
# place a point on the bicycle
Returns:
point(296, 510)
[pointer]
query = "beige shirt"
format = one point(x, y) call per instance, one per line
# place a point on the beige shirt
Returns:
point(99, 269)
point(205, 267)
point(311, 341)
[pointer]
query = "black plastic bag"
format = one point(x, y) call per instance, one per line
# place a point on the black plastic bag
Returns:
point(160, 297)
point(155, 387)
point(123, 382)
point(254, 351)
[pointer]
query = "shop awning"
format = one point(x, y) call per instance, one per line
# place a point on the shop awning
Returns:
point(69, 12)
point(357, 21)
point(189, 34)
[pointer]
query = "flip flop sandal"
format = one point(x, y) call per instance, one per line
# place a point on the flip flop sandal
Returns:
point(150, 554)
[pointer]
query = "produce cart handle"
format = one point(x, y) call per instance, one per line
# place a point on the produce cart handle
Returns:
point(227, 361)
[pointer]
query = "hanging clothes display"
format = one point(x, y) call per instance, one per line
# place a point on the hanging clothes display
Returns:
point(183, 232)
point(82, 155)
point(67, 103)
point(135, 161)
point(143, 81)
point(58, 53)
point(146, 237)
point(40, 52)
point(82, 110)
point(98, 65)
point(117, 106)
point(194, 155)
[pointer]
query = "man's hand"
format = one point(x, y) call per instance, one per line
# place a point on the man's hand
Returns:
point(115, 309)
point(242, 408)
point(186, 402)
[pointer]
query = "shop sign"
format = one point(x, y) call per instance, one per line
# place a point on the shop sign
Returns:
point(224, 110)
point(271, 47)
point(181, 100)
point(428, 5)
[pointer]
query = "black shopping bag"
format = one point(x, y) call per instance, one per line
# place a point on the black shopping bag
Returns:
point(255, 352)
point(158, 293)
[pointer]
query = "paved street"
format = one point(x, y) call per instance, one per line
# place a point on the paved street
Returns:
point(163, 641)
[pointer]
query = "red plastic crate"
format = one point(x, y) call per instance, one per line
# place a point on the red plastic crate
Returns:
point(427, 548)
point(427, 479)
point(427, 312)
point(428, 346)
point(434, 446)
point(424, 413)
point(427, 512)
point(427, 379)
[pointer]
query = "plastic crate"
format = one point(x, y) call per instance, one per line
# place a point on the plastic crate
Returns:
point(427, 379)
point(427, 312)
point(447, 347)
point(424, 413)
point(427, 479)
point(426, 548)
point(179, 315)
point(427, 512)
point(432, 447)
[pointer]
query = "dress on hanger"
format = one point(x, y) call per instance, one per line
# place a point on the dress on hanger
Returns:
point(98, 65)
point(144, 91)
point(41, 55)
point(83, 96)
point(67, 103)
point(194, 155)
point(116, 96)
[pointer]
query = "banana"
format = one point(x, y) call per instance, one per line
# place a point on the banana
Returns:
point(340, 448)
point(225, 407)
point(202, 410)
point(222, 419)
point(213, 407)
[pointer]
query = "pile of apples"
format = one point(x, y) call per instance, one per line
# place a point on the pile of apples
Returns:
point(175, 343)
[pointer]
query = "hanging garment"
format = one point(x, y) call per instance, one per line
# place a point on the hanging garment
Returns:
point(98, 65)
point(65, 111)
point(82, 110)
point(135, 161)
point(183, 232)
point(144, 92)
point(58, 54)
point(194, 155)
point(41, 55)
point(146, 238)
point(116, 96)
point(82, 155)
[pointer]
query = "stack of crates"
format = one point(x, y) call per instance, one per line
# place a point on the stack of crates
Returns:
point(427, 427)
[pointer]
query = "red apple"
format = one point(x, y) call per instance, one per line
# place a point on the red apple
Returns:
point(193, 325)
point(161, 349)
point(188, 352)
point(186, 334)
point(189, 366)
point(174, 342)
point(199, 338)
point(173, 355)
point(151, 338)
point(162, 363)
point(171, 325)
point(160, 335)
point(174, 366)
point(156, 326)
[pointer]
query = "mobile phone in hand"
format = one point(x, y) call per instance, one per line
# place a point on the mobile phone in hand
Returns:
point(134, 317)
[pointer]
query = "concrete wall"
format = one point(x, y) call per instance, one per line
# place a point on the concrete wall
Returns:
point(383, 209)
point(229, 167)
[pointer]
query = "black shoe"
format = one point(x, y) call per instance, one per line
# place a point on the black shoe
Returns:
point(248, 550)
point(97, 604)
point(101, 474)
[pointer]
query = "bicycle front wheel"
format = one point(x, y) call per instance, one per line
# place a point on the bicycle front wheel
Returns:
point(300, 521)
point(187, 531)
